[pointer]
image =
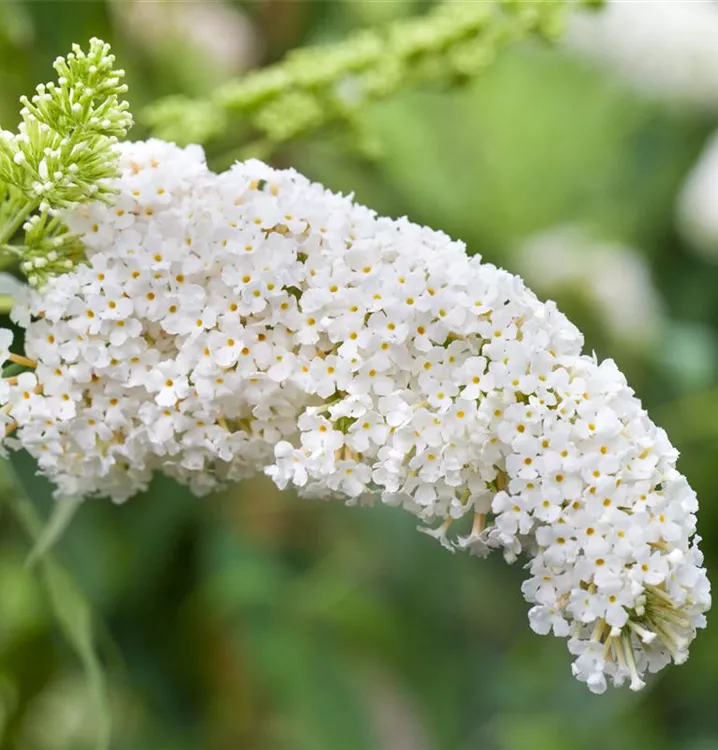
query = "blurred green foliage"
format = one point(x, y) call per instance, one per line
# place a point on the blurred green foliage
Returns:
point(256, 620)
point(327, 85)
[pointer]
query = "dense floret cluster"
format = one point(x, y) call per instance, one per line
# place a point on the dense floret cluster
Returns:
point(253, 321)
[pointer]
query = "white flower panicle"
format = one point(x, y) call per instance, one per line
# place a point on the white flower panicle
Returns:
point(666, 48)
point(253, 321)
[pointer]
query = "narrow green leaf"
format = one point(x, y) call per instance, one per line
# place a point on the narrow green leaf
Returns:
point(62, 513)
point(74, 615)
point(71, 607)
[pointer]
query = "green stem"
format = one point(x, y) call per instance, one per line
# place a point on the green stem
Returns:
point(10, 256)
point(8, 232)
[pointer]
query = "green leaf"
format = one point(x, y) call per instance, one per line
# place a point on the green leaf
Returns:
point(62, 513)
point(72, 609)
point(75, 617)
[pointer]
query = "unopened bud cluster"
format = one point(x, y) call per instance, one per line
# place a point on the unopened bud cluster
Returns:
point(253, 321)
point(65, 144)
point(63, 154)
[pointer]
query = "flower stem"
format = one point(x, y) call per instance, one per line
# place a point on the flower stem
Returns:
point(18, 359)
point(7, 232)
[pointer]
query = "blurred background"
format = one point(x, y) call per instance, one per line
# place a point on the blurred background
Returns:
point(255, 620)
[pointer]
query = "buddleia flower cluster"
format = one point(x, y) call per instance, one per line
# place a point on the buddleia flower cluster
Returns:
point(252, 321)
